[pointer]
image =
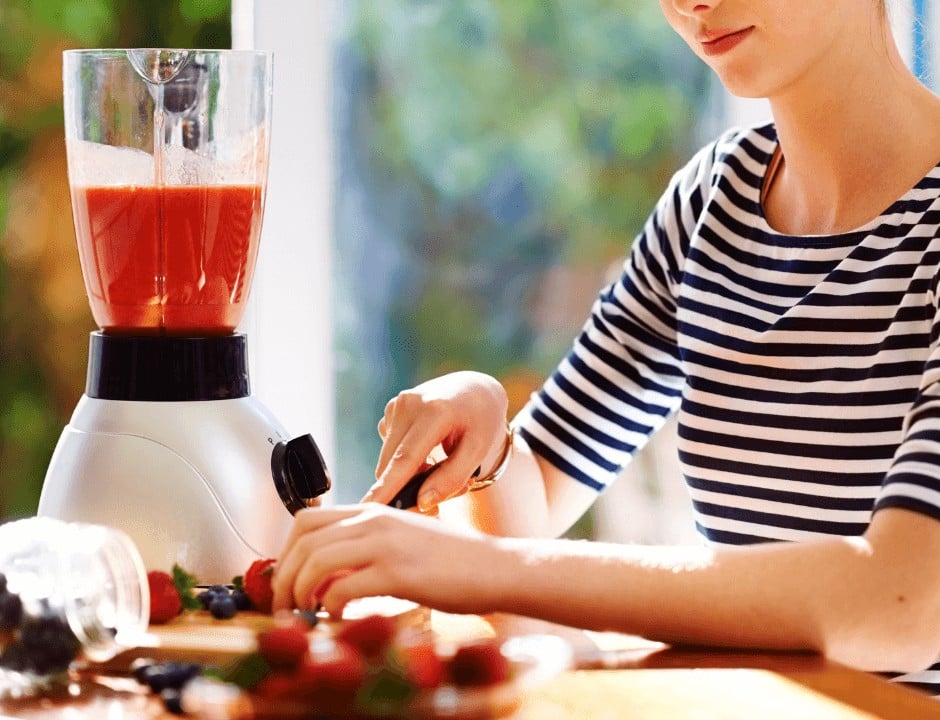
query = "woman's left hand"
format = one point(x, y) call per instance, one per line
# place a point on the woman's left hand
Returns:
point(338, 554)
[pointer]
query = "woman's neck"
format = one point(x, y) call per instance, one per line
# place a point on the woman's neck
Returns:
point(854, 138)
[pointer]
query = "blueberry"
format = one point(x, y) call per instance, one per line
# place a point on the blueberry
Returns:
point(172, 700)
point(49, 643)
point(3, 583)
point(210, 593)
point(14, 657)
point(140, 667)
point(223, 607)
point(168, 675)
point(11, 610)
point(309, 616)
point(242, 601)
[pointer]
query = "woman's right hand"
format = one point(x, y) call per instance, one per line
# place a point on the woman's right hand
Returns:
point(463, 412)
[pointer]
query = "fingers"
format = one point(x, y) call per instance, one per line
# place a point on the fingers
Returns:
point(310, 519)
point(399, 463)
point(364, 582)
point(447, 481)
point(336, 555)
point(453, 412)
point(391, 434)
point(311, 528)
point(321, 568)
point(327, 545)
point(403, 455)
point(306, 571)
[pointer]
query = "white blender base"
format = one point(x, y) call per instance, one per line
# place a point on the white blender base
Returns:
point(190, 482)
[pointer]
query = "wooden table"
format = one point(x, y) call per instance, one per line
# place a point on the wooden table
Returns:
point(616, 677)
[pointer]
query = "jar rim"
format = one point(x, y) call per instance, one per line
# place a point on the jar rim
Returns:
point(121, 52)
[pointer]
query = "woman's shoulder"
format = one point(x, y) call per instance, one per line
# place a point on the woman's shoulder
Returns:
point(758, 142)
point(744, 151)
point(753, 145)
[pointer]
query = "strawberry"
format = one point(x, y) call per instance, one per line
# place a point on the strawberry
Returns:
point(371, 634)
point(257, 584)
point(283, 647)
point(165, 603)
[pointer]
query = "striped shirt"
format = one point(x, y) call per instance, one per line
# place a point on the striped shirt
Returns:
point(805, 370)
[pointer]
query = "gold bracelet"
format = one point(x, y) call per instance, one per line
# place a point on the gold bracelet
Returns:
point(478, 483)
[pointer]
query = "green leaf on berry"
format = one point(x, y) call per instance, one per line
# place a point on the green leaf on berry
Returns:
point(385, 692)
point(238, 582)
point(214, 672)
point(247, 672)
point(185, 583)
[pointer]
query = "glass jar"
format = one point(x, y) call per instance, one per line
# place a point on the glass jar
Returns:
point(67, 590)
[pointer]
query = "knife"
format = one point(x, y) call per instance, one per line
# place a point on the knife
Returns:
point(407, 497)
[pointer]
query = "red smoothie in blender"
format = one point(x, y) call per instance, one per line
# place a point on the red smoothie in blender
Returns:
point(173, 260)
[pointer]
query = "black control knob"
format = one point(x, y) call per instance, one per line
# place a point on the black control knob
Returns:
point(299, 472)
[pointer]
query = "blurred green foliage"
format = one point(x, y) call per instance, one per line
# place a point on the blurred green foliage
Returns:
point(496, 159)
point(43, 311)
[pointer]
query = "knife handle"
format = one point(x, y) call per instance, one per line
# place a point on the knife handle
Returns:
point(407, 497)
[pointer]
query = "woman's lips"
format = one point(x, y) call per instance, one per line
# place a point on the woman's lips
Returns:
point(716, 42)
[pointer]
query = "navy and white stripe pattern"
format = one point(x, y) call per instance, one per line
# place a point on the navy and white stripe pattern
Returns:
point(805, 370)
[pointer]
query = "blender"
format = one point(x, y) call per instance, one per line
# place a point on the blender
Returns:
point(167, 162)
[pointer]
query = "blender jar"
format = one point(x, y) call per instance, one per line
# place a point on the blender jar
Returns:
point(167, 162)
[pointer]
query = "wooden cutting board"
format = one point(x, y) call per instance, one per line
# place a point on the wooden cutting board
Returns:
point(195, 636)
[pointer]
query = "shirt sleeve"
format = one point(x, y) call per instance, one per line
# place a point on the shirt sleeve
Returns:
point(913, 481)
point(622, 378)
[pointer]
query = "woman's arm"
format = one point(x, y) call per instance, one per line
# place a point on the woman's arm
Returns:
point(465, 412)
point(532, 499)
point(870, 602)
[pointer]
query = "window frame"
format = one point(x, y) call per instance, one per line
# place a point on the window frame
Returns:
point(289, 319)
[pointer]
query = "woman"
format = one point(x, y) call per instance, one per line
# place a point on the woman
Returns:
point(782, 299)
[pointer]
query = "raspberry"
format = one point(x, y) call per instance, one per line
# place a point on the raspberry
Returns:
point(165, 602)
point(371, 635)
point(257, 584)
point(423, 666)
point(283, 647)
point(332, 668)
point(479, 662)
point(277, 685)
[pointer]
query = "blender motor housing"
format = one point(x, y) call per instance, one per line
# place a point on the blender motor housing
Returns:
point(168, 445)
